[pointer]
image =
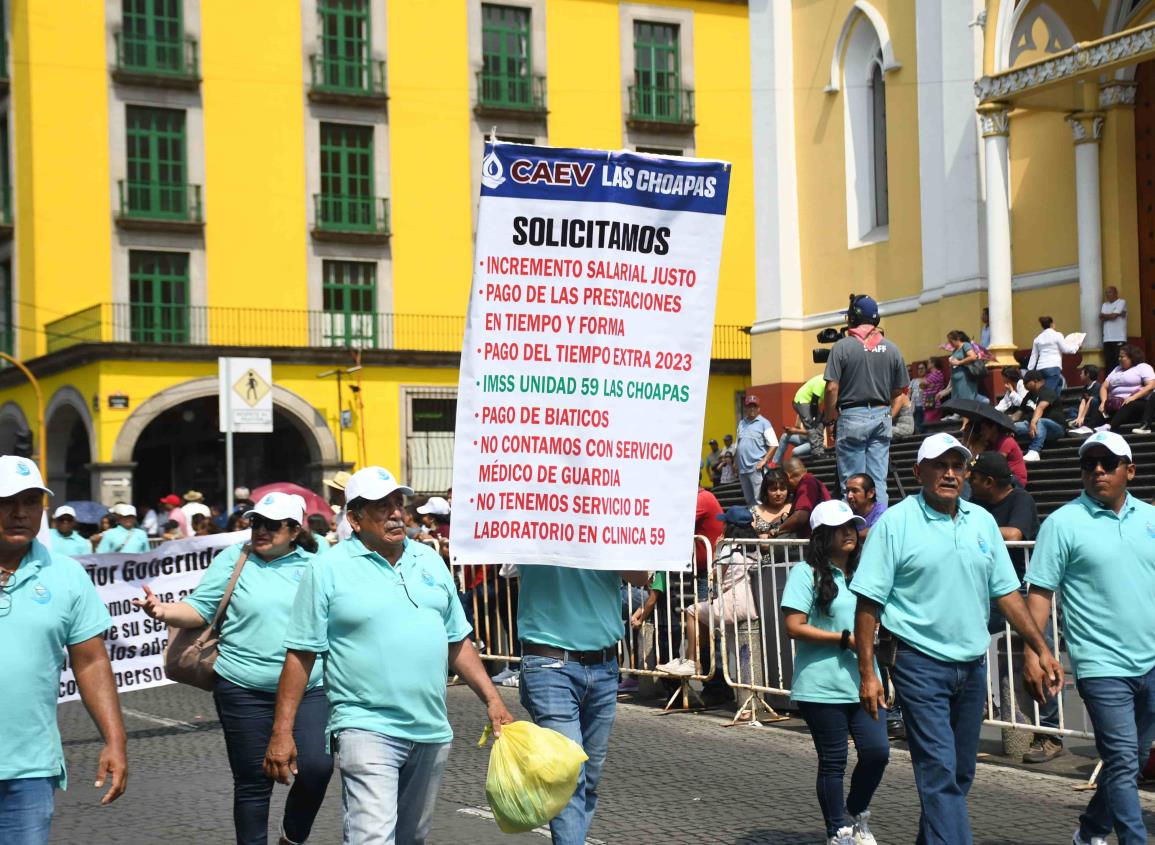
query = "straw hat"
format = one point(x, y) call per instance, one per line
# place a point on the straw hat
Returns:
point(338, 481)
point(194, 496)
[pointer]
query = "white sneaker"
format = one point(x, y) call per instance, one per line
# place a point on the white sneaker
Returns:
point(1106, 427)
point(1141, 430)
point(845, 836)
point(862, 834)
point(678, 666)
point(1083, 429)
point(1032, 456)
point(1076, 839)
point(514, 680)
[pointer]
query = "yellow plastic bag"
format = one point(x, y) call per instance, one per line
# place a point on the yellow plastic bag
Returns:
point(533, 773)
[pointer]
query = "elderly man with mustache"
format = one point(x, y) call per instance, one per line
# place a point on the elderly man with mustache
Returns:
point(384, 612)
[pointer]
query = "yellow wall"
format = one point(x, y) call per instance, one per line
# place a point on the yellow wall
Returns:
point(1043, 226)
point(583, 74)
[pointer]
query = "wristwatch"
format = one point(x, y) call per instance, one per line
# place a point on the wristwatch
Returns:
point(845, 644)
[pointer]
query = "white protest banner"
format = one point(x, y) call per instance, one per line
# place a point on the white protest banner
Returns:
point(586, 358)
point(246, 395)
point(135, 642)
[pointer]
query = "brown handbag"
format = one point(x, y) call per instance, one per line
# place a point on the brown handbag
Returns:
point(192, 652)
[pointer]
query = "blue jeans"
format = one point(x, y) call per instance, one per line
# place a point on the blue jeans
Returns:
point(26, 806)
point(247, 720)
point(943, 709)
point(800, 443)
point(1053, 378)
point(579, 702)
point(1123, 713)
point(1045, 431)
point(388, 787)
point(751, 485)
point(830, 725)
point(863, 445)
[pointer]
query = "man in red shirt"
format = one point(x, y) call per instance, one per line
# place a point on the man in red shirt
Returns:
point(708, 525)
point(808, 492)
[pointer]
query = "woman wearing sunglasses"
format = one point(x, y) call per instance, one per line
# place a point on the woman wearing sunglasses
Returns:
point(249, 666)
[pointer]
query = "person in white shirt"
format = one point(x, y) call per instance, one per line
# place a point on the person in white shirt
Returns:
point(1047, 354)
point(1114, 318)
point(1013, 390)
point(194, 503)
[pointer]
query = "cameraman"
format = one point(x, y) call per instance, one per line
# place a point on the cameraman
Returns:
point(864, 375)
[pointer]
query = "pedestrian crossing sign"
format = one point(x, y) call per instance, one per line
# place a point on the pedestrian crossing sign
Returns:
point(251, 387)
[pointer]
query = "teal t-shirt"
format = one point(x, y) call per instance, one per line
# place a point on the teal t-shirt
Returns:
point(120, 539)
point(1102, 564)
point(252, 650)
point(72, 545)
point(571, 609)
point(53, 606)
point(385, 631)
point(822, 672)
point(935, 576)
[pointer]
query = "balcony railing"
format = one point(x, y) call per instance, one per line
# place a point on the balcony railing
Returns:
point(731, 343)
point(178, 202)
point(654, 104)
point(146, 55)
point(348, 77)
point(342, 213)
point(509, 91)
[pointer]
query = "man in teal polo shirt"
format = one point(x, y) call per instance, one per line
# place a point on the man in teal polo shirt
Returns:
point(65, 539)
point(1098, 551)
point(931, 565)
point(124, 538)
point(384, 612)
point(47, 605)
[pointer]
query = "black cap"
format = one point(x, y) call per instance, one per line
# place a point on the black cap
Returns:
point(993, 464)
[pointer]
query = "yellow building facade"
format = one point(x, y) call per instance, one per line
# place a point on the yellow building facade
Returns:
point(943, 157)
point(188, 180)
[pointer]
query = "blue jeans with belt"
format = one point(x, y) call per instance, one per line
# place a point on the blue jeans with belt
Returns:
point(943, 708)
point(26, 807)
point(863, 445)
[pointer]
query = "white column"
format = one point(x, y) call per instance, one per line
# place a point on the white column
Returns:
point(995, 123)
point(1087, 129)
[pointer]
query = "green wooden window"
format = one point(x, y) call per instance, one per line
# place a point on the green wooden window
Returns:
point(346, 200)
point(507, 66)
point(152, 37)
point(5, 173)
point(157, 172)
point(657, 71)
point(7, 329)
point(345, 41)
point(349, 297)
point(158, 289)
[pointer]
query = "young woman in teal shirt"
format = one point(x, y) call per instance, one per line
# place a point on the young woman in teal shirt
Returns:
point(819, 612)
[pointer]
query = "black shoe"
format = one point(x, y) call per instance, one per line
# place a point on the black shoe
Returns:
point(896, 729)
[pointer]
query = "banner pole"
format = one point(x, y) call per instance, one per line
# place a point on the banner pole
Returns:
point(228, 389)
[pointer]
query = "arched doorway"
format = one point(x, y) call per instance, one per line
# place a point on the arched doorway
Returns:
point(12, 423)
point(1145, 196)
point(181, 449)
point(68, 429)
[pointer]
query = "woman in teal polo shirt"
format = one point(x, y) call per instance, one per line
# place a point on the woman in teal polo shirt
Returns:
point(249, 666)
point(819, 613)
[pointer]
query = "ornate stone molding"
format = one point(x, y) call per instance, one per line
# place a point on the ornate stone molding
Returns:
point(994, 119)
point(1117, 94)
point(1120, 48)
point(1086, 127)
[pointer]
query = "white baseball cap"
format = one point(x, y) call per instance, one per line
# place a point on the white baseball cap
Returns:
point(834, 512)
point(123, 509)
point(1112, 442)
point(19, 474)
point(63, 510)
point(936, 445)
point(436, 506)
point(280, 506)
point(373, 483)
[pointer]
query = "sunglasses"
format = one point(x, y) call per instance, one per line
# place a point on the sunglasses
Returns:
point(1110, 463)
point(264, 522)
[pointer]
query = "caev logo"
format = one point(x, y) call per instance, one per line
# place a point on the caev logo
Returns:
point(427, 578)
point(268, 500)
point(23, 468)
point(41, 594)
point(492, 173)
point(383, 475)
point(983, 547)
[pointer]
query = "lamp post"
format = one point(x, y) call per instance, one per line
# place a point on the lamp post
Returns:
point(43, 450)
point(340, 405)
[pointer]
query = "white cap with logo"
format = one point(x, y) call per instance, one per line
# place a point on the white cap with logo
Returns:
point(280, 506)
point(937, 445)
point(123, 509)
point(436, 506)
point(19, 474)
point(373, 483)
point(834, 512)
point(1109, 440)
point(63, 510)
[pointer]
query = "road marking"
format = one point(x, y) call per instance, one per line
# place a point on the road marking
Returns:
point(482, 813)
point(159, 720)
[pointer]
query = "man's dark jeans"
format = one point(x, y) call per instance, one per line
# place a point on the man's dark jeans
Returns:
point(1123, 714)
point(247, 719)
point(943, 710)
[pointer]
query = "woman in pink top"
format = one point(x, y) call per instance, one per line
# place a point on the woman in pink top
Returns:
point(1124, 391)
point(987, 436)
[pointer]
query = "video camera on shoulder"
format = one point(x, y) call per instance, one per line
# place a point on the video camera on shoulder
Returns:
point(832, 335)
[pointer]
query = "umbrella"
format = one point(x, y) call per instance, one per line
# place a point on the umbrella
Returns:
point(313, 502)
point(973, 409)
point(88, 512)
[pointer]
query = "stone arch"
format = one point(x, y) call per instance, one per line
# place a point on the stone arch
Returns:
point(12, 421)
point(861, 10)
point(69, 397)
point(67, 472)
point(304, 417)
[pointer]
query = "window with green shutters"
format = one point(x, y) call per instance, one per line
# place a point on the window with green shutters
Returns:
point(5, 174)
point(158, 290)
point(346, 202)
point(344, 64)
point(349, 297)
point(7, 335)
point(506, 79)
point(157, 172)
point(657, 93)
point(152, 38)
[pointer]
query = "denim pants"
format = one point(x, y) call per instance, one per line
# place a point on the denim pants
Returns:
point(388, 787)
point(1053, 378)
point(830, 725)
point(942, 706)
point(751, 485)
point(579, 702)
point(1045, 431)
point(801, 445)
point(1123, 714)
point(863, 445)
point(26, 806)
point(247, 720)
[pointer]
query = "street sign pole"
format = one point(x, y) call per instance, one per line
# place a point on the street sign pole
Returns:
point(228, 435)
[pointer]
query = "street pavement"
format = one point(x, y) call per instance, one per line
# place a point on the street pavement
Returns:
point(674, 779)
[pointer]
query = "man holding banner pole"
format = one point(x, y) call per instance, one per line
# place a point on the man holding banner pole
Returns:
point(48, 605)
